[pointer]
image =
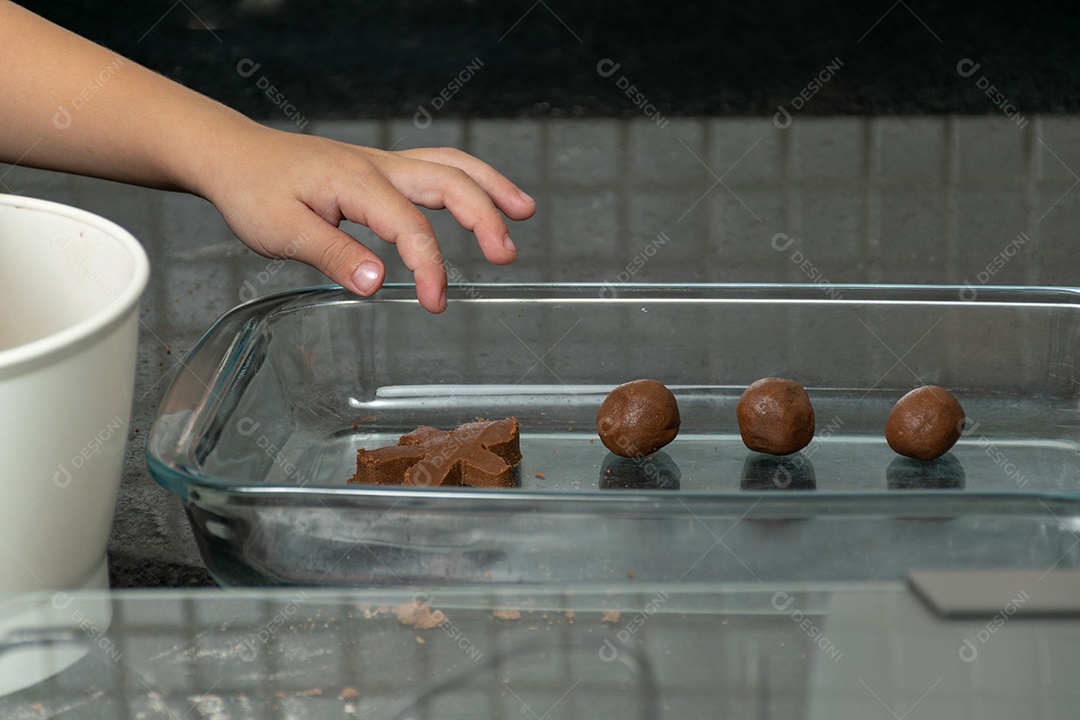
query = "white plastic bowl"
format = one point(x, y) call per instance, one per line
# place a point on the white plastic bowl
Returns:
point(70, 284)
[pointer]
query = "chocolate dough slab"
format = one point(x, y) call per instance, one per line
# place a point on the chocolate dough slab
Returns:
point(477, 454)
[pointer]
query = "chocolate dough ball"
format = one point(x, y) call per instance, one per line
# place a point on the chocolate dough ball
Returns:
point(775, 417)
point(638, 418)
point(925, 423)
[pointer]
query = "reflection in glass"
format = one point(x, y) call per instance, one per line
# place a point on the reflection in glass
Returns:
point(945, 473)
point(778, 472)
point(653, 472)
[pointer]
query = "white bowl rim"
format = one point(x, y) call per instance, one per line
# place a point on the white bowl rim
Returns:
point(73, 335)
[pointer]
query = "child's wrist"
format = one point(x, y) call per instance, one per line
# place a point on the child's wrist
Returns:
point(206, 164)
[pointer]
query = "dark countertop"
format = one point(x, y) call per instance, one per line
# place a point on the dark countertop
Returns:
point(539, 59)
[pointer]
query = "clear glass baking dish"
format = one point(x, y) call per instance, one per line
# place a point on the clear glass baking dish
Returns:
point(259, 430)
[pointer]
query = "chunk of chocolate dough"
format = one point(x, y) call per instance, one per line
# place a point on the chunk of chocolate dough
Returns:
point(638, 418)
point(775, 417)
point(478, 454)
point(925, 423)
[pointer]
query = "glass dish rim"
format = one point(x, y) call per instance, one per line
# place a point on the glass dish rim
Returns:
point(182, 481)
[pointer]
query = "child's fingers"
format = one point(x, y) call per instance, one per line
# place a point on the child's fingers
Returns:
point(507, 196)
point(437, 186)
point(392, 217)
point(338, 256)
point(430, 286)
point(422, 255)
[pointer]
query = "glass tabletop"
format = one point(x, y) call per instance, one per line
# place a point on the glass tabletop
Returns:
point(754, 650)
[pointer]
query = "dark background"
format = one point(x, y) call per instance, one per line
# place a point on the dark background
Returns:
point(382, 59)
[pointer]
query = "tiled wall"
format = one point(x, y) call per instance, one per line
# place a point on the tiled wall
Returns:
point(928, 200)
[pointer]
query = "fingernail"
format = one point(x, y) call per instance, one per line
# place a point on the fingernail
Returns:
point(508, 243)
point(442, 299)
point(366, 278)
point(525, 196)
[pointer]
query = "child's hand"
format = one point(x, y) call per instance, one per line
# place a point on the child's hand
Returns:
point(284, 196)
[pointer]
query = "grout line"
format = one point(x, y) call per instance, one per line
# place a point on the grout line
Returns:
point(1033, 153)
point(623, 196)
point(119, 637)
point(950, 181)
point(467, 137)
point(1030, 259)
point(711, 233)
point(872, 199)
point(385, 133)
point(708, 221)
point(1044, 671)
point(950, 171)
point(789, 141)
point(546, 193)
point(871, 227)
point(790, 182)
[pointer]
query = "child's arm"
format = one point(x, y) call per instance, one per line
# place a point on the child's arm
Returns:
point(282, 194)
